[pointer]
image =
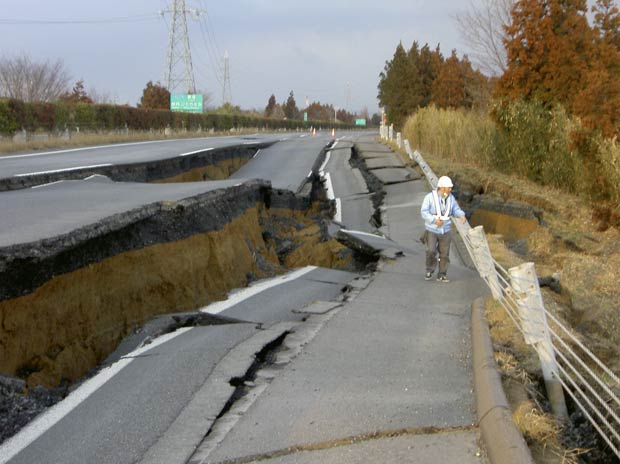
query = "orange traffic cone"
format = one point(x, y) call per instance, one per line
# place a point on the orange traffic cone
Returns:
point(314, 132)
point(333, 132)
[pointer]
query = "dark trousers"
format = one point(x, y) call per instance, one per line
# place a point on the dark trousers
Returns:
point(437, 243)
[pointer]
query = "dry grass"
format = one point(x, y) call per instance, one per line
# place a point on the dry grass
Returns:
point(519, 366)
point(455, 134)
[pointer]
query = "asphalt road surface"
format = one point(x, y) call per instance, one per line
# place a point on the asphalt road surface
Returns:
point(117, 416)
point(125, 416)
point(124, 153)
point(59, 208)
point(285, 164)
point(347, 187)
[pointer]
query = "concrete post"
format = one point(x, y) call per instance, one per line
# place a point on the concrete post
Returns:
point(536, 331)
point(399, 140)
point(484, 260)
point(391, 132)
point(408, 149)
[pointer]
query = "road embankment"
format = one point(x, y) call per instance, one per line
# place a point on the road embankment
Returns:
point(66, 301)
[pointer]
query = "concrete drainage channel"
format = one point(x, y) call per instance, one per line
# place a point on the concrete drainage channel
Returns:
point(71, 302)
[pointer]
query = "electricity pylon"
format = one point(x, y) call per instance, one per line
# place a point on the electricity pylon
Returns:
point(179, 72)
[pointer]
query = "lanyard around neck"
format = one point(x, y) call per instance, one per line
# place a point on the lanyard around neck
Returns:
point(443, 215)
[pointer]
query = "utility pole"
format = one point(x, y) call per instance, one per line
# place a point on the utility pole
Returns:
point(179, 73)
point(226, 92)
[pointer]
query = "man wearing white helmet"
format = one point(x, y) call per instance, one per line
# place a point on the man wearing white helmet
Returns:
point(437, 209)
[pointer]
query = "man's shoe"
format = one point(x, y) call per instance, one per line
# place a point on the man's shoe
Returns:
point(428, 276)
point(443, 278)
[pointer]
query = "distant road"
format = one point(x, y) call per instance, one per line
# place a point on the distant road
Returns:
point(285, 164)
point(123, 153)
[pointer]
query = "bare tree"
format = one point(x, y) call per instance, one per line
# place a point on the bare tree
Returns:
point(102, 97)
point(482, 28)
point(27, 80)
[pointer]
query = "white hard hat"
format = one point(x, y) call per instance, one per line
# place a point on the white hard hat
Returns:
point(444, 181)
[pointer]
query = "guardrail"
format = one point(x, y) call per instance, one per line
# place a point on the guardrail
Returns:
point(567, 364)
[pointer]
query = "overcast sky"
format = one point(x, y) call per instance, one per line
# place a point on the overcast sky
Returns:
point(324, 50)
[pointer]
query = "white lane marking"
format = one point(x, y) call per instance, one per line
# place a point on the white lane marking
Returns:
point(47, 185)
point(327, 157)
point(49, 418)
point(338, 215)
point(309, 174)
point(62, 170)
point(403, 205)
point(359, 232)
point(255, 154)
point(112, 145)
point(329, 186)
point(248, 292)
point(196, 151)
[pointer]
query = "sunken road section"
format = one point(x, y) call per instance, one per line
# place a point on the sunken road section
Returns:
point(68, 300)
point(209, 164)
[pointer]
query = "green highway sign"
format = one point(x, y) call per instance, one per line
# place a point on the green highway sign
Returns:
point(360, 122)
point(189, 103)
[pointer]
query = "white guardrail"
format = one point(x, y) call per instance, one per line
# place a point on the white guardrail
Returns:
point(567, 364)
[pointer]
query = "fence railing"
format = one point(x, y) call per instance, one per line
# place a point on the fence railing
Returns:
point(568, 365)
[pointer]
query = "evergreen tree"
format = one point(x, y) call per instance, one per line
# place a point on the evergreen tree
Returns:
point(429, 65)
point(598, 103)
point(449, 86)
point(290, 107)
point(607, 21)
point(271, 106)
point(549, 47)
point(398, 85)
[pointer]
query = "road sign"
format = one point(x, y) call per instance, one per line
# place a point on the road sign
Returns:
point(190, 103)
point(360, 122)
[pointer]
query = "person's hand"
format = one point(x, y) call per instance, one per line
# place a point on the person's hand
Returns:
point(439, 222)
point(463, 219)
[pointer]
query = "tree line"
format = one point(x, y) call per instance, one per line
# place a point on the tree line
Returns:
point(550, 109)
point(315, 111)
point(421, 76)
point(554, 55)
point(28, 81)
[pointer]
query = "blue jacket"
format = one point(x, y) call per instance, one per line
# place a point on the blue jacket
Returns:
point(429, 214)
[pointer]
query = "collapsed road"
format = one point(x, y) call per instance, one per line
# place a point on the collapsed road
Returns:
point(154, 161)
point(75, 284)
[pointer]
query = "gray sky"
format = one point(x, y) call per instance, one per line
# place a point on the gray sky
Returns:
point(318, 49)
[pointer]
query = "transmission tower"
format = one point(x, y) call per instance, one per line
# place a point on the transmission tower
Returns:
point(226, 92)
point(179, 70)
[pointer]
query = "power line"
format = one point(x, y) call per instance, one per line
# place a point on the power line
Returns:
point(123, 19)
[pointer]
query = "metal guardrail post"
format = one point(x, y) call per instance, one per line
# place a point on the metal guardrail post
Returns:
point(536, 331)
point(399, 140)
point(484, 260)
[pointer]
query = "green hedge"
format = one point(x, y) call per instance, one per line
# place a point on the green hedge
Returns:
point(17, 115)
